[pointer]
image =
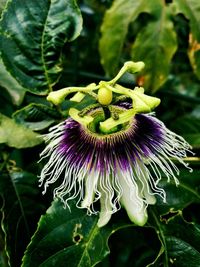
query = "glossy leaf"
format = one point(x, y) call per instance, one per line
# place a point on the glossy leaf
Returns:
point(32, 56)
point(166, 219)
point(32, 35)
point(156, 45)
point(15, 135)
point(187, 192)
point(132, 247)
point(36, 116)
point(191, 9)
point(193, 139)
point(75, 233)
point(115, 28)
point(15, 90)
point(180, 242)
point(189, 126)
point(65, 238)
point(20, 206)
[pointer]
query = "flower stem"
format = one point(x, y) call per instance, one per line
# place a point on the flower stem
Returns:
point(129, 66)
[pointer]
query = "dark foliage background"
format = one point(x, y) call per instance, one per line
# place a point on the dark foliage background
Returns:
point(37, 56)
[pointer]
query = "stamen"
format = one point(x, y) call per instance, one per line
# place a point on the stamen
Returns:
point(119, 168)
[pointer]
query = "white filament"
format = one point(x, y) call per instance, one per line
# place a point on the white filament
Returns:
point(135, 188)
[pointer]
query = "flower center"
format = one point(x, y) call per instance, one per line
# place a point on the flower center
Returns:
point(108, 120)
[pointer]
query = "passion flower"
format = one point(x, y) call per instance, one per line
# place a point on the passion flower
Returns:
point(112, 153)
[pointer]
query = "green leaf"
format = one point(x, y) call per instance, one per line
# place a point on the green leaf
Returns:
point(193, 139)
point(65, 238)
point(32, 35)
point(180, 242)
point(15, 135)
point(61, 234)
point(166, 218)
point(187, 192)
point(133, 246)
point(15, 90)
point(191, 9)
point(20, 207)
point(36, 116)
point(115, 28)
point(189, 126)
point(156, 45)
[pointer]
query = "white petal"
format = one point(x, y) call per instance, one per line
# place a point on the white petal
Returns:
point(150, 198)
point(132, 201)
point(90, 188)
point(106, 209)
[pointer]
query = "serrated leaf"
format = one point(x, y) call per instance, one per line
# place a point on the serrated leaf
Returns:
point(156, 45)
point(15, 135)
point(65, 238)
point(32, 35)
point(115, 28)
point(166, 217)
point(180, 241)
point(191, 9)
point(15, 90)
point(21, 208)
point(36, 116)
